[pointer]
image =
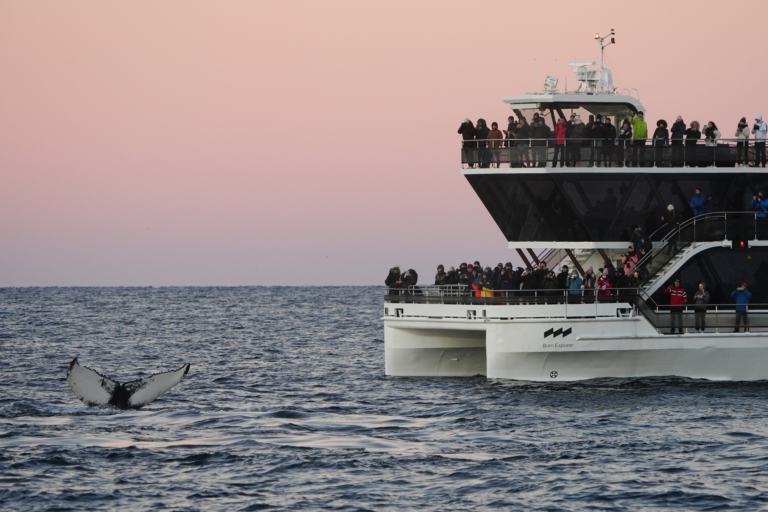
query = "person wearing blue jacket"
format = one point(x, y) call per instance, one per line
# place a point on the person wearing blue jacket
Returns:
point(759, 205)
point(742, 296)
point(699, 203)
point(574, 286)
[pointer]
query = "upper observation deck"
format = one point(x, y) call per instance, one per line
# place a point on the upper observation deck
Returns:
point(606, 191)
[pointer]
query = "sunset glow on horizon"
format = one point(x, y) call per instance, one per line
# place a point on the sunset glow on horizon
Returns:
point(304, 143)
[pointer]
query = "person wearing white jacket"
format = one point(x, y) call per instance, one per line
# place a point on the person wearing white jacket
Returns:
point(742, 136)
point(759, 130)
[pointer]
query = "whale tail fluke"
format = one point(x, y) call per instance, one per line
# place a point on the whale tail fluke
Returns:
point(97, 390)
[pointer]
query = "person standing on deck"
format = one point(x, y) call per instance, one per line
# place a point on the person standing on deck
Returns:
point(560, 130)
point(759, 130)
point(742, 296)
point(625, 141)
point(609, 142)
point(441, 278)
point(759, 205)
point(495, 143)
point(699, 203)
point(692, 135)
point(640, 133)
point(467, 131)
point(678, 131)
point(677, 298)
point(660, 141)
point(742, 134)
point(701, 298)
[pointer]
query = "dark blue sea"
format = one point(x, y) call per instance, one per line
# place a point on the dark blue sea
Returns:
point(287, 407)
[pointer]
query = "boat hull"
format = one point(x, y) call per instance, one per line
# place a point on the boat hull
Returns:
point(568, 350)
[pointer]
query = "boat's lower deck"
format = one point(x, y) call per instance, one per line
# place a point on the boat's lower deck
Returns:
point(541, 343)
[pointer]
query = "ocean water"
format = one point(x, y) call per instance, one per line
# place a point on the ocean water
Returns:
point(287, 407)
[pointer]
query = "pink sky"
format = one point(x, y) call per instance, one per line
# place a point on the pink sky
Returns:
point(304, 143)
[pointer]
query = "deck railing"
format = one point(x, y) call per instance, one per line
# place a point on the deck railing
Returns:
point(490, 153)
point(587, 303)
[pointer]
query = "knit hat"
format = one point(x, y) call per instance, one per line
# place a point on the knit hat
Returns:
point(466, 120)
point(670, 207)
point(743, 285)
point(679, 118)
point(701, 284)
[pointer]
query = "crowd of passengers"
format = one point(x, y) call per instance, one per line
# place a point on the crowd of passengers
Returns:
point(529, 282)
point(606, 143)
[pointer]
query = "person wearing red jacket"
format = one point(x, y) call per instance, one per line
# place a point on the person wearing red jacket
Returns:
point(604, 287)
point(560, 129)
point(677, 299)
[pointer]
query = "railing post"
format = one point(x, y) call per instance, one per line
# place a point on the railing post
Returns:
point(717, 320)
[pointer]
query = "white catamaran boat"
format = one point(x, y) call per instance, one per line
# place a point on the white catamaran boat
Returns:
point(580, 216)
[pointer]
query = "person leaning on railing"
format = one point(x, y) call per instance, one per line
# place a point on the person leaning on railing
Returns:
point(742, 296)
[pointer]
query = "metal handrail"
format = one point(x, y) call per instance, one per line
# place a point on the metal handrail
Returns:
point(692, 222)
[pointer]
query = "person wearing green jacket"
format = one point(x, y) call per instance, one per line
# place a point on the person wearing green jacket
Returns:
point(640, 133)
point(574, 286)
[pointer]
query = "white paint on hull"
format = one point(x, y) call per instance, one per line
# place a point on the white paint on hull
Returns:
point(565, 349)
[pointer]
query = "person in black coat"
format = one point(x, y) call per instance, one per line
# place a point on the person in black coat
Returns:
point(522, 140)
point(580, 140)
point(410, 278)
point(539, 134)
point(676, 139)
point(468, 132)
point(595, 134)
point(625, 141)
point(660, 141)
point(482, 142)
point(562, 278)
point(393, 280)
point(692, 136)
point(609, 141)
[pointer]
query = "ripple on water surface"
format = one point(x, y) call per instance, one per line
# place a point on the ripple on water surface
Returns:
point(287, 407)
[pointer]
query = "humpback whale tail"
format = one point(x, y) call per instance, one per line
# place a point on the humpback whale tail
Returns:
point(97, 390)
